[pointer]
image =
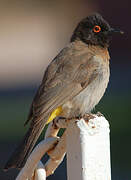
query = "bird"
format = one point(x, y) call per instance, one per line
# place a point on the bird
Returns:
point(73, 83)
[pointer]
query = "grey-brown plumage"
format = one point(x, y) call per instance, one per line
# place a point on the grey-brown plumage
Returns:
point(76, 80)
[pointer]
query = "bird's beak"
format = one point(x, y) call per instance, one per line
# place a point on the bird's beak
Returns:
point(113, 31)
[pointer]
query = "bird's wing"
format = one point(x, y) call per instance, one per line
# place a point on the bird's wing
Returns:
point(65, 77)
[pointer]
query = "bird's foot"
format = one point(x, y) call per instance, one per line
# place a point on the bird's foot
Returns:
point(99, 114)
point(79, 117)
point(88, 116)
point(56, 119)
point(75, 118)
point(60, 122)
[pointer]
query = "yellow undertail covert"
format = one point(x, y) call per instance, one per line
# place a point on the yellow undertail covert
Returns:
point(54, 114)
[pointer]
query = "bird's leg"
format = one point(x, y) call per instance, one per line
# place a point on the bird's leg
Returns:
point(57, 122)
point(56, 119)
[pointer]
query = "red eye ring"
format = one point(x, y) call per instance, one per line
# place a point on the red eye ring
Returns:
point(97, 29)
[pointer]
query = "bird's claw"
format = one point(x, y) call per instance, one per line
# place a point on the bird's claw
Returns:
point(99, 114)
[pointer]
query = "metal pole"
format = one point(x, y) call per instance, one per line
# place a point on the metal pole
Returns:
point(88, 150)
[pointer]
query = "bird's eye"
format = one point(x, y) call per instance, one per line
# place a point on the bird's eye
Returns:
point(97, 29)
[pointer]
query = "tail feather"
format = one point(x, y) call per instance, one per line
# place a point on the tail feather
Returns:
point(23, 151)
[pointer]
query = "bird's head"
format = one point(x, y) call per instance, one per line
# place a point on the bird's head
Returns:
point(94, 30)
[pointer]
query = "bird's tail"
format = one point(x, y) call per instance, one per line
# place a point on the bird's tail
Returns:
point(23, 151)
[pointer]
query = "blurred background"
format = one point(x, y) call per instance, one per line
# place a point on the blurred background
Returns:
point(31, 34)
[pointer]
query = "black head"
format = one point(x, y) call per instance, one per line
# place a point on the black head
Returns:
point(94, 30)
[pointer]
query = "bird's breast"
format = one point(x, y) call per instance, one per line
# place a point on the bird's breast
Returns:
point(87, 99)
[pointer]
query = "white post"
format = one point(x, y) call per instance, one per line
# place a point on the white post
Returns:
point(88, 150)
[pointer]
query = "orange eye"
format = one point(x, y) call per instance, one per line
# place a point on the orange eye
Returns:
point(97, 29)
